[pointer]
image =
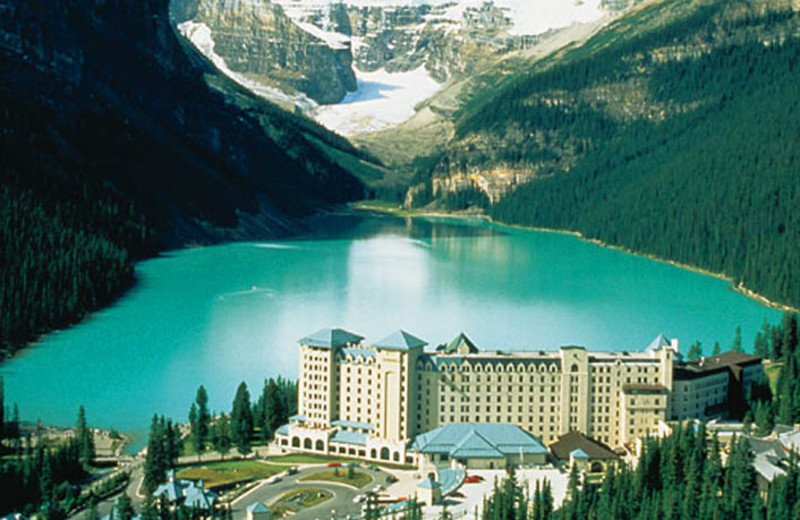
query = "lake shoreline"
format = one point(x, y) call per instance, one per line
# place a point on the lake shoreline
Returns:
point(738, 288)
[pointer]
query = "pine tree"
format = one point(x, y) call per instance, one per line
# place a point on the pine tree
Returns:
point(83, 436)
point(737, 339)
point(716, 350)
point(203, 419)
point(695, 351)
point(222, 435)
point(241, 419)
point(124, 507)
point(193, 431)
point(155, 463)
point(2, 409)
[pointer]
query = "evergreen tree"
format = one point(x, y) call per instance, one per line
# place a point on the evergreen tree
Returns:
point(695, 351)
point(193, 430)
point(737, 339)
point(222, 435)
point(84, 437)
point(716, 350)
point(124, 507)
point(274, 413)
point(156, 461)
point(2, 409)
point(241, 419)
point(91, 513)
point(203, 419)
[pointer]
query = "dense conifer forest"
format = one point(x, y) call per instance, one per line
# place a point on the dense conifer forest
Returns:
point(673, 132)
point(113, 145)
point(683, 476)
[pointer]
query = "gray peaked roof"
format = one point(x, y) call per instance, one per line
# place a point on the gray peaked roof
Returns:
point(660, 342)
point(400, 340)
point(329, 338)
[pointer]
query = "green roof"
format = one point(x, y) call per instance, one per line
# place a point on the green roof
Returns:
point(329, 338)
point(400, 340)
point(468, 440)
point(461, 339)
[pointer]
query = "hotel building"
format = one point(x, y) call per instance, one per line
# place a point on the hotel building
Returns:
point(372, 400)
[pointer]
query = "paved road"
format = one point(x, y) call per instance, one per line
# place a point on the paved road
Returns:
point(342, 501)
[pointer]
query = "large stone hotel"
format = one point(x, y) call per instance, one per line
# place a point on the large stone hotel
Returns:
point(372, 401)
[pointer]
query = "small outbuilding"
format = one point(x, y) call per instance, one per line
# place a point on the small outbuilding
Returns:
point(258, 511)
point(575, 448)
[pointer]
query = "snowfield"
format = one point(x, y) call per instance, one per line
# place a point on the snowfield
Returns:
point(382, 100)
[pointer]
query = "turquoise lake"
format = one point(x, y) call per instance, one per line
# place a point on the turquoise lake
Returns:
point(225, 314)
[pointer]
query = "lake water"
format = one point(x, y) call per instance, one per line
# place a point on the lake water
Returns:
point(225, 314)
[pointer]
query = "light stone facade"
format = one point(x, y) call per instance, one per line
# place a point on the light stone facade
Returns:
point(370, 401)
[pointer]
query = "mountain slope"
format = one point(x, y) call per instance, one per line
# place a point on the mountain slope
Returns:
point(672, 132)
point(113, 145)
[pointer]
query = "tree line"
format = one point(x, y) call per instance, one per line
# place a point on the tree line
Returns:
point(681, 476)
point(247, 423)
point(667, 133)
point(41, 475)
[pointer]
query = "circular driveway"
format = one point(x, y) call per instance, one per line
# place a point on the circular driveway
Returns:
point(341, 502)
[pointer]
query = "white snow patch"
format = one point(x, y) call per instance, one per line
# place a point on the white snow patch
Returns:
point(200, 35)
point(528, 17)
point(382, 100)
point(333, 40)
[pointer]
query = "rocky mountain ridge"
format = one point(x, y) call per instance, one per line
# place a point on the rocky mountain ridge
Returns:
point(567, 123)
point(283, 43)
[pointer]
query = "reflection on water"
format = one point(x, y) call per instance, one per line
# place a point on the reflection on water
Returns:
point(221, 315)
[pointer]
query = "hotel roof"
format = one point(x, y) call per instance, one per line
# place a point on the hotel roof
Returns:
point(468, 440)
point(731, 360)
point(329, 338)
point(661, 341)
point(400, 340)
point(575, 440)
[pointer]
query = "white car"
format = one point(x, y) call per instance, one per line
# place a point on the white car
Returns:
point(359, 498)
point(273, 479)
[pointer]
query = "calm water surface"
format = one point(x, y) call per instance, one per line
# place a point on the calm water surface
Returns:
point(220, 315)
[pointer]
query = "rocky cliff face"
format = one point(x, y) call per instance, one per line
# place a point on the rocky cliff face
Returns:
point(257, 39)
point(105, 91)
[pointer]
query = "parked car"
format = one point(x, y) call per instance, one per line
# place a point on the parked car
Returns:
point(473, 480)
point(273, 479)
point(334, 464)
point(359, 498)
point(391, 479)
point(291, 471)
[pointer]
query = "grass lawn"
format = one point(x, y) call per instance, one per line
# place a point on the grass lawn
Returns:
point(219, 473)
point(301, 458)
point(360, 478)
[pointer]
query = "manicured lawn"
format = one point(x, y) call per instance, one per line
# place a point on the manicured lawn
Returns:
point(359, 479)
point(301, 458)
point(219, 473)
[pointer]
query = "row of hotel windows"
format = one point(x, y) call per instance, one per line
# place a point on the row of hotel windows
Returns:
point(552, 369)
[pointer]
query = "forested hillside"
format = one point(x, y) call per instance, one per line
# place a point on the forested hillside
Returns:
point(114, 145)
point(673, 132)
